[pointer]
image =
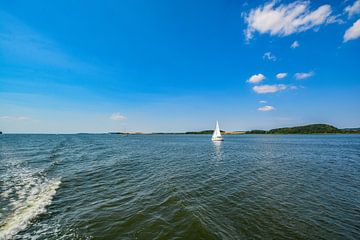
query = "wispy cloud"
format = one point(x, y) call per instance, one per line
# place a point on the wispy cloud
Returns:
point(281, 75)
point(262, 102)
point(303, 75)
point(269, 56)
point(117, 117)
point(256, 78)
point(353, 32)
point(266, 108)
point(354, 9)
point(295, 44)
point(285, 19)
point(335, 19)
point(261, 89)
point(14, 118)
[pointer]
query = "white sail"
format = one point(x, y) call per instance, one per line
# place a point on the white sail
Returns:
point(217, 134)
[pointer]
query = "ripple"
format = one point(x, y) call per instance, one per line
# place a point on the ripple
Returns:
point(181, 187)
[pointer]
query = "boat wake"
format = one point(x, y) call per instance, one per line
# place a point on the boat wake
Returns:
point(26, 195)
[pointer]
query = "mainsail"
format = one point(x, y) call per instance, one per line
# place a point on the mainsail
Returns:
point(217, 135)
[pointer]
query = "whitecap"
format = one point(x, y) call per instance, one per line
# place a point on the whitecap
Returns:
point(31, 201)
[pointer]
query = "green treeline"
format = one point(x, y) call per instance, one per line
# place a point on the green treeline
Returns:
point(307, 129)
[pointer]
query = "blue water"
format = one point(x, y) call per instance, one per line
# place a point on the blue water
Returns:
point(179, 187)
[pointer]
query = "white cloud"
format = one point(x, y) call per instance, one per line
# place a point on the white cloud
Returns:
point(285, 19)
point(262, 101)
point(354, 9)
point(269, 56)
point(295, 44)
point(117, 117)
point(269, 88)
point(353, 32)
point(14, 118)
point(335, 19)
point(266, 108)
point(256, 78)
point(281, 75)
point(303, 75)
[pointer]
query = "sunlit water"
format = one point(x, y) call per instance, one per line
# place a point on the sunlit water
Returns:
point(179, 187)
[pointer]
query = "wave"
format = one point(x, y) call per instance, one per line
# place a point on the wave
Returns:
point(26, 209)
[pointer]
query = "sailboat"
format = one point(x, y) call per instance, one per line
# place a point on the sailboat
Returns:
point(217, 135)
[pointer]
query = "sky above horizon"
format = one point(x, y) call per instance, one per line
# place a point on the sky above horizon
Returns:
point(173, 66)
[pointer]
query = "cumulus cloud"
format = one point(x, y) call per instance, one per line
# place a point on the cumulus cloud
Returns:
point(15, 118)
point(117, 117)
point(266, 108)
point(281, 75)
point(353, 9)
point(269, 56)
point(303, 75)
point(295, 44)
point(285, 19)
point(353, 32)
point(269, 88)
point(256, 78)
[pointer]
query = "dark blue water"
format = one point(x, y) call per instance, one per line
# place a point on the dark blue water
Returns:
point(179, 187)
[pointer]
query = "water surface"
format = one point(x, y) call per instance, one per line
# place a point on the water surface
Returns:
point(179, 187)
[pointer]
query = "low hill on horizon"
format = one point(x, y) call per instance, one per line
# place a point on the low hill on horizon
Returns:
point(204, 132)
point(305, 129)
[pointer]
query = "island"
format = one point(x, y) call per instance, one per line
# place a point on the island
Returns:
point(306, 129)
point(204, 132)
point(127, 133)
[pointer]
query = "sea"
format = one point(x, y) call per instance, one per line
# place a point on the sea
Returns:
point(169, 186)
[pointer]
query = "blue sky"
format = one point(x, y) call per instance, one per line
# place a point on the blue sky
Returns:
point(99, 66)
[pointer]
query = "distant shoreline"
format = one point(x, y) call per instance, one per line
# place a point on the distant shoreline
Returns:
point(180, 133)
point(306, 129)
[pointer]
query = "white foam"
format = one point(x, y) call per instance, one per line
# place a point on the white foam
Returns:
point(32, 200)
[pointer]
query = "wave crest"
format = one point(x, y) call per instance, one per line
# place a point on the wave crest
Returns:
point(38, 198)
